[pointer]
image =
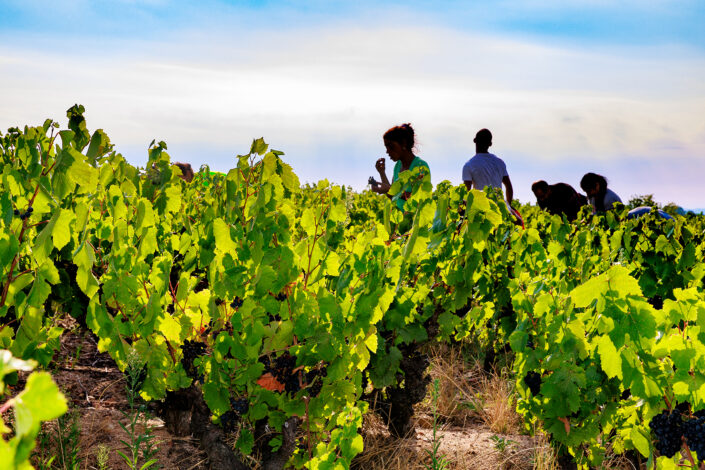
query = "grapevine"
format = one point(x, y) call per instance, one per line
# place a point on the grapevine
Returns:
point(272, 304)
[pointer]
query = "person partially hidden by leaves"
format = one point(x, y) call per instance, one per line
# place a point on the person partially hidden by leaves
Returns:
point(487, 169)
point(400, 143)
point(186, 171)
point(559, 198)
point(599, 195)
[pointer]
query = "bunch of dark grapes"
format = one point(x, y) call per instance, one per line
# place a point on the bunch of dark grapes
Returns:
point(283, 370)
point(236, 303)
point(228, 421)
point(292, 383)
point(175, 272)
point(683, 408)
point(283, 366)
point(302, 445)
point(154, 176)
point(273, 317)
point(668, 428)
point(530, 343)
point(240, 406)
point(656, 302)
point(282, 296)
point(202, 284)
point(314, 378)
point(533, 381)
point(264, 360)
point(26, 214)
point(694, 432)
point(230, 418)
point(191, 350)
point(597, 241)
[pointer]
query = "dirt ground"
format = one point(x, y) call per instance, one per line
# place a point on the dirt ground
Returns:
point(462, 448)
point(96, 390)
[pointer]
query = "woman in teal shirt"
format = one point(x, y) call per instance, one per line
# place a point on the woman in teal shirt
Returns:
point(399, 142)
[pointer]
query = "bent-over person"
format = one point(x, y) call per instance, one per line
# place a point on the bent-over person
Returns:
point(559, 198)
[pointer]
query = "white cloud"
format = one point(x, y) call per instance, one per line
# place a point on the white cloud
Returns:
point(326, 94)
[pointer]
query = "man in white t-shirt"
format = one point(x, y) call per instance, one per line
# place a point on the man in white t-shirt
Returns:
point(486, 169)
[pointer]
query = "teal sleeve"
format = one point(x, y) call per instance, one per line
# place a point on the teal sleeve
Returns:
point(395, 173)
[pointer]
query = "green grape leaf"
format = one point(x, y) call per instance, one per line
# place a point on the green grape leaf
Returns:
point(259, 146)
point(223, 242)
point(610, 359)
point(641, 443)
point(308, 222)
point(245, 442)
point(351, 447)
point(61, 233)
point(217, 397)
point(9, 247)
point(99, 146)
point(384, 367)
point(84, 259)
point(616, 279)
point(145, 215)
point(41, 400)
point(43, 243)
point(82, 173)
point(170, 328)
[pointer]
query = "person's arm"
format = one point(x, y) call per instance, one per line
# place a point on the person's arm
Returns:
point(383, 187)
point(508, 189)
point(593, 204)
point(467, 176)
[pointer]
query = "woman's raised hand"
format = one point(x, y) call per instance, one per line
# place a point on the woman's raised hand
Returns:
point(380, 165)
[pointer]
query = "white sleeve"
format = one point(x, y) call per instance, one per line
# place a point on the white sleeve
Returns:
point(610, 199)
point(504, 169)
point(467, 174)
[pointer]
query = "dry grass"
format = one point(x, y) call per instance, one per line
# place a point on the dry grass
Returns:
point(622, 461)
point(383, 452)
point(475, 410)
point(543, 457)
point(469, 394)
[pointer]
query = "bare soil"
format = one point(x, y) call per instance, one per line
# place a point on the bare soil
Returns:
point(463, 448)
point(96, 389)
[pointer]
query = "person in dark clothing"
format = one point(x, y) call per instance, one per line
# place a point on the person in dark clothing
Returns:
point(559, 198)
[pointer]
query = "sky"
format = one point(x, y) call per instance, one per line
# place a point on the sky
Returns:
point(565, 86)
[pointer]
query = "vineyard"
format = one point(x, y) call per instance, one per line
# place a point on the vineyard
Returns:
point(282, 313)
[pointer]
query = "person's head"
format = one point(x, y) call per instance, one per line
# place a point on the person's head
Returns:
point(483, 140)
point(186, 171)
point(593, 184)
point(399, 141)
point(540, 189)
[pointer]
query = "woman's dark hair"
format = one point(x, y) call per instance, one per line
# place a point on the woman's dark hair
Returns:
point(589, 181)
point(186, 171)
point(403, 135)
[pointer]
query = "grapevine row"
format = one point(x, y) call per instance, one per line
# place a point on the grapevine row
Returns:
point(304, 308)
